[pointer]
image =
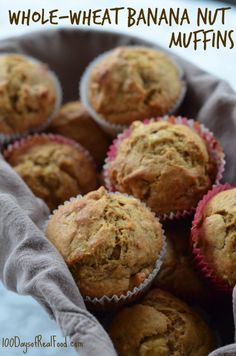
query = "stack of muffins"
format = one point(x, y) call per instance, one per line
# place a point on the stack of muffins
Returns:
point(140, 221)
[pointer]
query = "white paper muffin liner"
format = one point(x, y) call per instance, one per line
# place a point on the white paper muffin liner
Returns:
point(6, 138)
point(110, 128)
point(213, 146)
point(115, 301)
point(14, 146)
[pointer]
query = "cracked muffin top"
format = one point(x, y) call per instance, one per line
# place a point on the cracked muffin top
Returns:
point(109, 241)
point(74, 121)
point(160, 325)
point(27, 94)
point(165, 164)
point(54, 168)
point(177, 273)
point(134, 84)
point(216, 235)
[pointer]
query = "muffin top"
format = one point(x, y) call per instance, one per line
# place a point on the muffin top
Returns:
point(166, 165)
point(133, 84)
point(74, 121)
point(216, 235)
point(54, 169)
point(160, 325)
point(177, 273)
point(109, 241)
point(27, 94)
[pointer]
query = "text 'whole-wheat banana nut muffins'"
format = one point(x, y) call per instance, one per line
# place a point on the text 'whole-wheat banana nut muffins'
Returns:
point(30, 94)
point(131, 83)
point(74, 121)
point(160, 325)
point(214, 237)
point(169, 163)
point(55, 168)
point(112, 243)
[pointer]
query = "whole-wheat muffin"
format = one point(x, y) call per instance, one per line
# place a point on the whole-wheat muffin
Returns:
point(109, 241)
point(161, 325)
point(74, 121)
point(177, 273)
point(133, 83)
point(53, 167)
point(216, 235)
point(165, 164)
point(27, 94)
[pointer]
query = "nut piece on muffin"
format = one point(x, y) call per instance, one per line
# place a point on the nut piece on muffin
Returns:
point(28, 94)
point(215, 235)
point(160, 325)
point(74, 121)
point(134, 83)
point(165, 164)
point(109, 241)
point(55, 168)
point(177, 273)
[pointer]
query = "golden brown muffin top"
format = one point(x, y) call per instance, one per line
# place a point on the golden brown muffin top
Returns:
point(54, 171)
point(27, 94)
point(177, 273)
point(74, 121)
point(166, 165)
point(160, 325)
point(134, 83)
point(110, 241)
point(217, 235)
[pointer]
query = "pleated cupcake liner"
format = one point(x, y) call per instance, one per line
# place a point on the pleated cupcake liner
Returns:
point(198, 255)
point(106, 303)
point(111, 128)
point(37, 137)
point(6, 138)
point(213, 146)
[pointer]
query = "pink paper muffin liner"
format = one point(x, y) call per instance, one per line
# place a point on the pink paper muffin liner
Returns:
point(6, 138)
point(56, 138)
point(115, 301)
point(110, 128)
point(213, 146)
point(198, 255)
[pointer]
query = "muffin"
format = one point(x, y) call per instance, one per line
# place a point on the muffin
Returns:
point(110, 242)
point(177, 273)
point(160, 325)
point(133, 83)
point(29, 94)
point(54, 168)
point(164, 163)
point(214, 236)
point(74, 121)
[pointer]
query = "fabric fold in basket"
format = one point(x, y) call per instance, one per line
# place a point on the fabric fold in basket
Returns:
point(29, 264)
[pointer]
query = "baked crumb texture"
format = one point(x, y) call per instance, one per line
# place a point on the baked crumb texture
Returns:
point(166, 165)
point(109, 241)
point(134, 84)
point(216, 235)
point(55, 171)
point(160, 325)
point(74, 121)
point(27, 94)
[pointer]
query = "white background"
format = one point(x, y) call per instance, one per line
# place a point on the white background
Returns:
point(21, 315)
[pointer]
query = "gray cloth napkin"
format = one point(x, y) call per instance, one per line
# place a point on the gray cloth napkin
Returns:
point(29, 264)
